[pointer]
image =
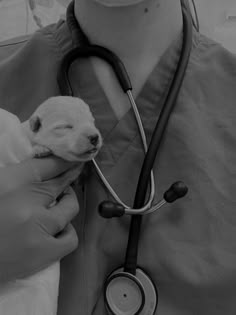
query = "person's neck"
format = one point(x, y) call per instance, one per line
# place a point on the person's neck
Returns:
point(134, 32)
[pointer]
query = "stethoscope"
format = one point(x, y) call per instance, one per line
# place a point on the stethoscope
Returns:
point(129, 290)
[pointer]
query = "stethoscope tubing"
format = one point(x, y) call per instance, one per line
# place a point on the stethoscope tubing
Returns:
point(123, 78)
point(85, 50)
point(135, 224)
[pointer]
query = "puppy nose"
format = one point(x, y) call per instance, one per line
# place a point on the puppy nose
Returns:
point(94, 139)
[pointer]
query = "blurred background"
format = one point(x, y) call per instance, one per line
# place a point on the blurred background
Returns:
point(217, 18)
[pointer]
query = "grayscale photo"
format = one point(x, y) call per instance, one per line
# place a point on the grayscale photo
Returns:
point(117, 157)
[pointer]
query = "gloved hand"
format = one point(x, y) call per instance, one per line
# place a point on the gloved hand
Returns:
point(32, 234)
point(32, 170)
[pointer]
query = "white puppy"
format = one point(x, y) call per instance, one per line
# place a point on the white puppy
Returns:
point(63, 126)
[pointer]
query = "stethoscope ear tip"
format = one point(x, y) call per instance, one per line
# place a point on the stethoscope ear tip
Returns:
point(109, 209)
point(176, 191)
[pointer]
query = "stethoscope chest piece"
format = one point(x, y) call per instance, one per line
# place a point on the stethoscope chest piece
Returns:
point(128, 294)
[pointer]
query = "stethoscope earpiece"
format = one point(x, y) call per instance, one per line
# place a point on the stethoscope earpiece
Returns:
point(110, 209)
point(176, 191)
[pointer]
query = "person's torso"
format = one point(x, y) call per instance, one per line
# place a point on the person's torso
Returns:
point(187, 247)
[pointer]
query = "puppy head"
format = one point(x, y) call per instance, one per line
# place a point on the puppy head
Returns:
point(66, 126)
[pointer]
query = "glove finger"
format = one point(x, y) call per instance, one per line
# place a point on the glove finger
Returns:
point(48, 191)
point(66, 242)
point(55, 219)
point(46, 168)
point(33, 170)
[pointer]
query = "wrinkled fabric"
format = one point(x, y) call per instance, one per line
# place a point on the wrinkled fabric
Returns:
point(37, 294)
point(188, 248)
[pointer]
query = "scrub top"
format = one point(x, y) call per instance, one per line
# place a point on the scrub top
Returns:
point(188, 248)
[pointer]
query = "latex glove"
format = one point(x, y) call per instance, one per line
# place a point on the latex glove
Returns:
point(32, 236)
point(28, 171)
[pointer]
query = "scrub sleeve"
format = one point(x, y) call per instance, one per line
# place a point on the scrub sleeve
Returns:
point(188, 248)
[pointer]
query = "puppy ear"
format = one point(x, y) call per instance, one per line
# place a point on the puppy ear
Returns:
point(35, 123)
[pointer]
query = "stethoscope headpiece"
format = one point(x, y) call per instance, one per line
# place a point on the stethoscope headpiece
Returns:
point(110, 209)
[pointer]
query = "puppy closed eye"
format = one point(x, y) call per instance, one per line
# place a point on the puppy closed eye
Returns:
point(63, 126)
point(62, 129)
